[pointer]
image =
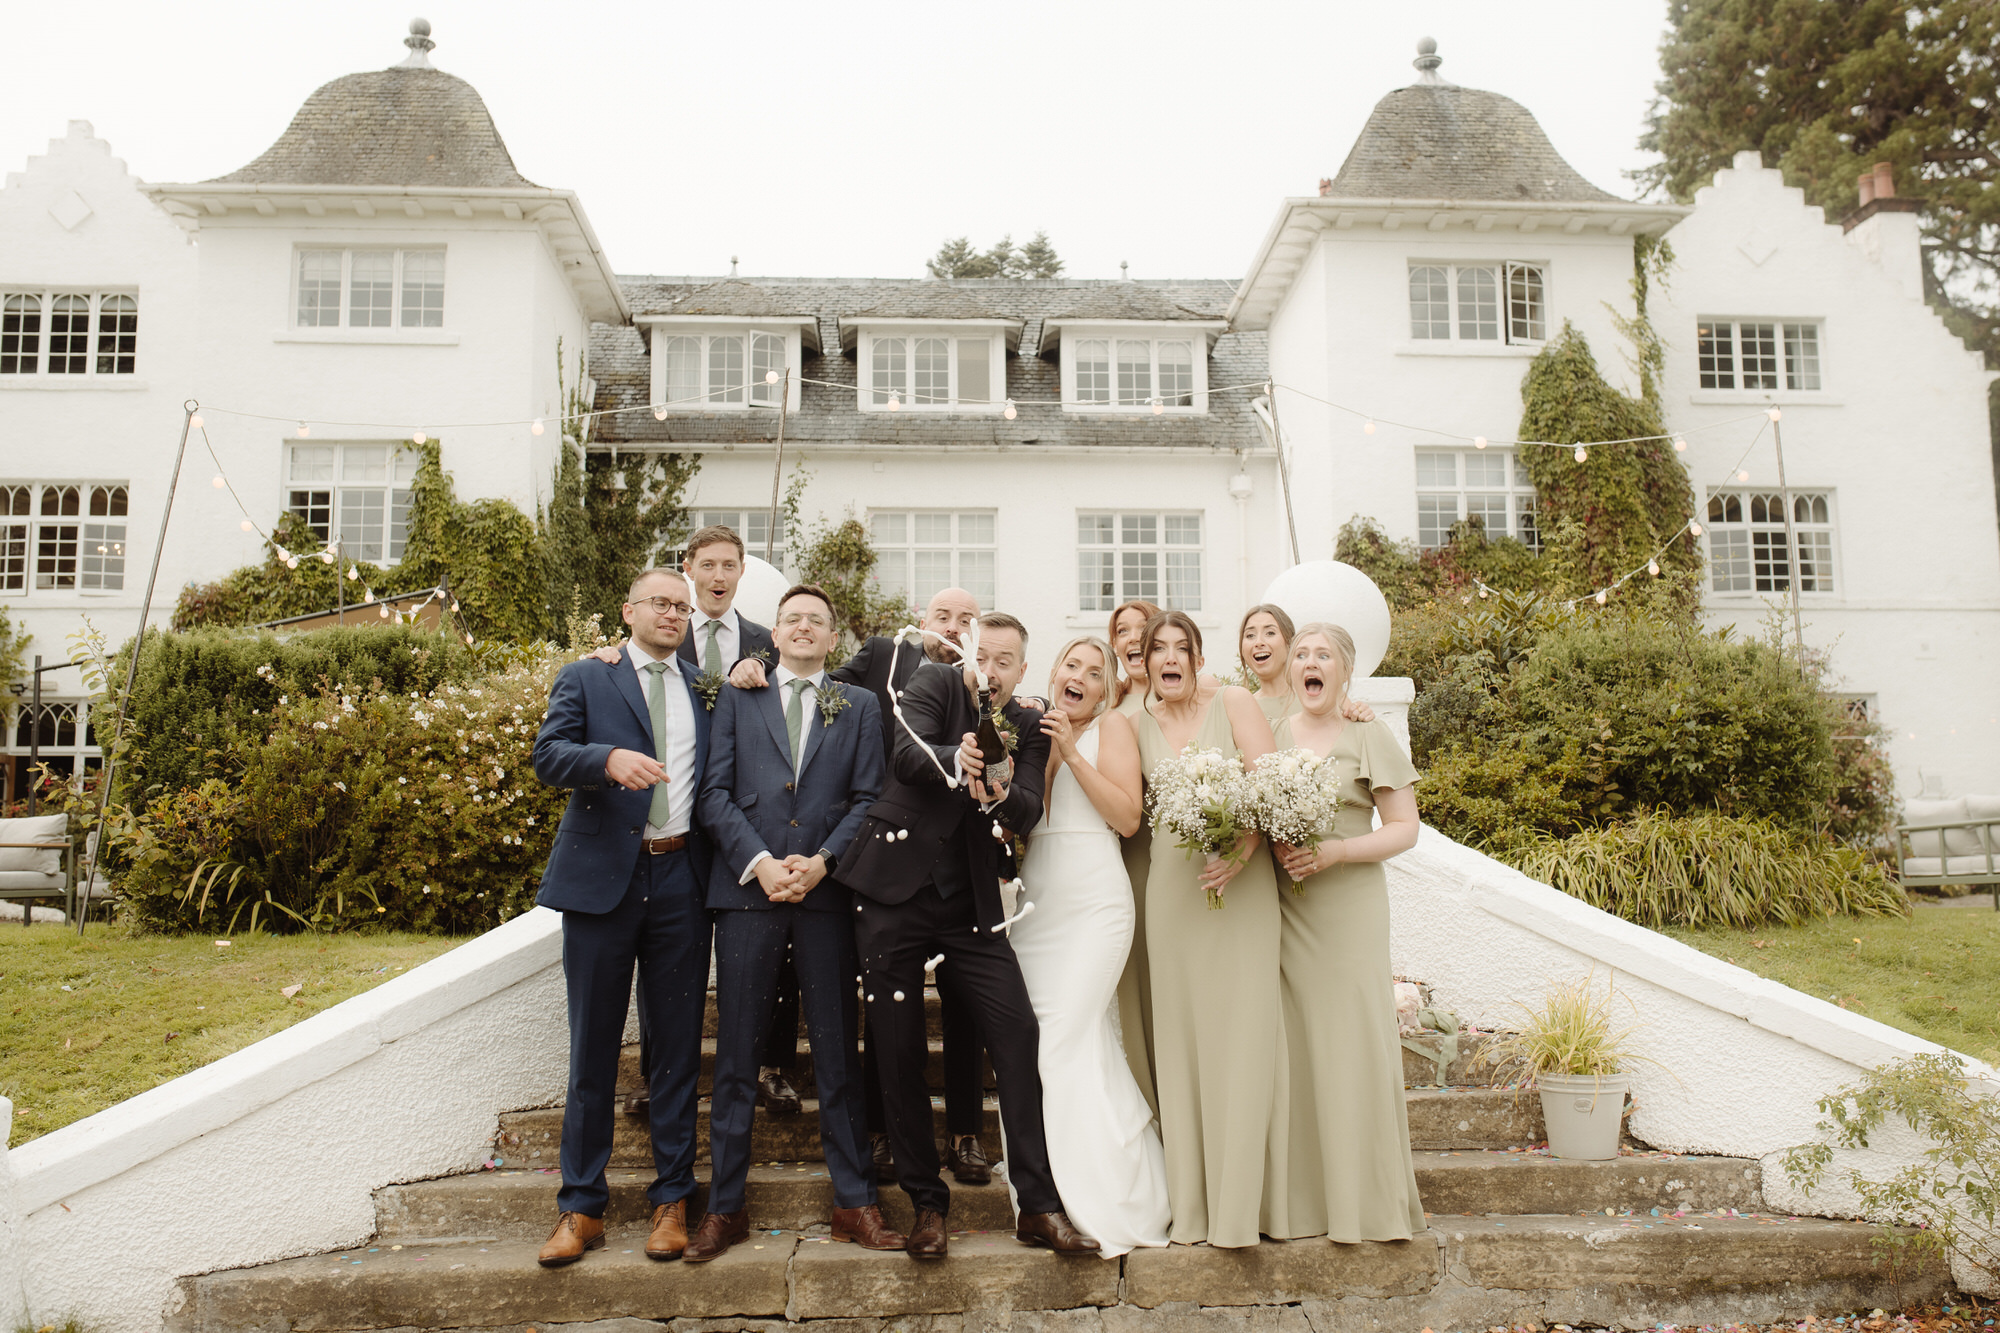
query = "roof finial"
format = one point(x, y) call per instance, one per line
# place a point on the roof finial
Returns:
point(1427, 62)
point(1124, 270)
point(732, 266)
point(420, 44)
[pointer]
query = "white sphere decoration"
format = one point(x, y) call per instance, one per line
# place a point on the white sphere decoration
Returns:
point(1341, 595)
point(757, 595)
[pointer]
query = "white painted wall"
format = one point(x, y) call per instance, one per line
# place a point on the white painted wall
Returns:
point(1899, 432)
point(13, 1288)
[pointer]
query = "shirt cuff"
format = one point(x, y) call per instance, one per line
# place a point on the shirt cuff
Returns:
point(750, 871)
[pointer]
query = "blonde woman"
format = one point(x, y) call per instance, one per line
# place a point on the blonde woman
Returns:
point(1103, 1150)
point(1339, 1161)
point(1263, 643)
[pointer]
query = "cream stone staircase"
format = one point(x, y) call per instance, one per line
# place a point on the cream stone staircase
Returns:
point(1517, 1238)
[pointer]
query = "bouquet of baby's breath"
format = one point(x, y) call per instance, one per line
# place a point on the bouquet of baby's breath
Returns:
point(1291, 796)
point(1196, 796)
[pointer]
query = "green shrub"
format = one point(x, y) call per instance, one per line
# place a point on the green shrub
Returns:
point(272, 590)
point(1708, 870)
point(1498, 798)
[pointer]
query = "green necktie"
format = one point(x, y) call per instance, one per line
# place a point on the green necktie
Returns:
point(795, 718)
point(656, 704)
point(711, 656)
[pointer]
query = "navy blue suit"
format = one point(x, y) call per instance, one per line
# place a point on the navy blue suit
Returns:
point(623, 907)
point(752, 640)
point(751, 802)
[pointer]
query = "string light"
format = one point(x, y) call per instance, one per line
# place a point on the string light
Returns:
point(1694, 528)
point(1008, 411)
point(770, 377)
point(659, 412)
point(1479, 441)
point(1367, 428)
point(895, 403)
point(1775, 415)
point(536, 428)
point(247, 525)
point(353, 573)
point(218, 483)
point(1680, 445)
point(1653, 568)
point(1582, 454)
point(304, 430)
point(419, 438)
point(1603, 596)
point(1158, 407)
point(1743, 474)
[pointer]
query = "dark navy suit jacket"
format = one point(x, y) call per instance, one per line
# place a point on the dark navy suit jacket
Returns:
point(752, 640)
point(594, 708)
point(751, 803)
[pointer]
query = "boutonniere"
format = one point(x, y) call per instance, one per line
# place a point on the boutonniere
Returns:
point(832, 699)
point(1009, 733)
point(709, 686)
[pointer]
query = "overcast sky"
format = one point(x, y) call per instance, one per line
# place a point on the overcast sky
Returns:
point(848, 139)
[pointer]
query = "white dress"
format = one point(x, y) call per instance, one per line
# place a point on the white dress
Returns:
point(1103, 1148)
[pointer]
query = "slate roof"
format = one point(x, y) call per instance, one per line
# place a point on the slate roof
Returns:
point(399, 126)
point(1437, 141)
point(828, 416)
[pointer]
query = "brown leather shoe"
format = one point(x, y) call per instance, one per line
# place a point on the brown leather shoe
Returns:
point(1054, 1230)
point(574, 1234)
point(776, 1094)
point(927, 1238)
point(966, 1160)
point(670, 1231)
point(884, 1159)
point(718, 1232)
point(865, 1227)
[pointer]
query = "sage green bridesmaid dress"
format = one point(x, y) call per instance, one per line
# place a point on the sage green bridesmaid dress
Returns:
point(1216, 1025)
point(1340, 1144)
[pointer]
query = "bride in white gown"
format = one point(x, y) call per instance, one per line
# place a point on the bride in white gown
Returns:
point(1103, 1148)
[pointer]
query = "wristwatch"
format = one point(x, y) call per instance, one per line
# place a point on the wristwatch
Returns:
point(830, 859)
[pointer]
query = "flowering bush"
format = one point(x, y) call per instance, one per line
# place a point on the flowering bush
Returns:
point(1196, 796)
point(1291, 796)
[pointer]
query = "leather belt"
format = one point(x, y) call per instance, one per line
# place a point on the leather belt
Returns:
point(658, 846)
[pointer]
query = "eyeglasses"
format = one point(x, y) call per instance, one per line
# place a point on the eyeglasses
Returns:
point(792, 619)
point(660, 606)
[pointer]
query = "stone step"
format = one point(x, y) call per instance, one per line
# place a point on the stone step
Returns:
point(1473, 1117)
point(793, 1196)
point(531, 1138)
point(1462, 1273)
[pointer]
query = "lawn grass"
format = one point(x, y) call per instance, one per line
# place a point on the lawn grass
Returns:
point(88, 1022)
point(1935, 973)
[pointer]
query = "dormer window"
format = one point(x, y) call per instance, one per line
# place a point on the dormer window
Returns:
point(1479, 303)
point(369, 289)
point(930, 365)
point(700, 365)
point(1132, 366)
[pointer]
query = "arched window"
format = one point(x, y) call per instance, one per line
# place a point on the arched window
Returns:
point(1093, 371)
point(20, 334)
point(117, 335)
point(69, 335)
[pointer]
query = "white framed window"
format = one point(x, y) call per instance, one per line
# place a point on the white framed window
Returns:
point(921, 552)
point(62, 536)
point(1154, 557)
point(68, 333)
point(1747, 548)
point(368, 289)
point(1487, 484)
point(752, 525)
point(704, 371)
point(936, 371)
point(1504, 302)
point(1131, 373)
point(68, 740)
point(1757, 354)
point(359, 493)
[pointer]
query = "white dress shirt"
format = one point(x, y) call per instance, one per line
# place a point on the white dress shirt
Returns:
point(781, 679)
point(728, 640)
point(676, 749)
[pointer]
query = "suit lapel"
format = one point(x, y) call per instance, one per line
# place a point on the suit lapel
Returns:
point(700, 712)
point(627, 683)
point(771, 704)
point(822, 730)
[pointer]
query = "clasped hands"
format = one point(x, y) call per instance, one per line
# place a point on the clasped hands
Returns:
point(1302, 862)
point(790, 880)
point(972, 763)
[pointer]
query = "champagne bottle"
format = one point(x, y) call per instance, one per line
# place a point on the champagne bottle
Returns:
point(992, 745)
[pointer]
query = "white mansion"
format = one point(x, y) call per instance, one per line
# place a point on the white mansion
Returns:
point(1055, 446)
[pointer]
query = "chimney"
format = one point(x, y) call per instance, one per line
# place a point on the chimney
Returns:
point(1325, 186)
point(1866, 183)
point(1885, 227)
point(1885, 181)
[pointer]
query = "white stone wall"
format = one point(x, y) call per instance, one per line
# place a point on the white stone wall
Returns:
point(13, 1291)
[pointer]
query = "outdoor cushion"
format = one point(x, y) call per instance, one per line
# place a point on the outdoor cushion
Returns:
point(1935, 812)
point(41, 828)
point(1918, 866)
point(29, 881)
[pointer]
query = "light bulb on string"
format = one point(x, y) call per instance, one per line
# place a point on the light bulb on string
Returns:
point(536, 428)
point(291, 562)
point(1367, 428)
point(659, 412)
point(1743, 474)
point(1680, 445)
point(367, 595)
point(468, 640)
point(326, 557)
point(195, 421)
point(304, 430)
point(1482, 590)
point(895, 403)
point(246, 525)
point(218, 482)
point(1775, 415)
point(419, 438)
point(1694, 529)
point(384, 609)
point(1581, 453)
point(1653, 568)
point(1479, 441)
point(1603, 596)
point(1158, 407)
point(770, 377)
point(1008, 411)
point(353, 573)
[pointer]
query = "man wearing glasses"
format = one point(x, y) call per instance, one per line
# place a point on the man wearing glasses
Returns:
point(792, 770)
point(627, 872)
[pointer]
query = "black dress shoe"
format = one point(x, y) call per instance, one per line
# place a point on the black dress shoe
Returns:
point(776, 1094)
point(967, 1160)
point(1054, 1230)
point(885, 1160)
point(927, 1237)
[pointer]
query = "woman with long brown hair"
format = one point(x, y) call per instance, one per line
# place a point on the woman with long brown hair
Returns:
point(1135, 997)
point(1128, 627)
point(1262, 643)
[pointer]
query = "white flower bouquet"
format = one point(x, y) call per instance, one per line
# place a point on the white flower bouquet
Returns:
point(1196, 796)
point(1291, 796)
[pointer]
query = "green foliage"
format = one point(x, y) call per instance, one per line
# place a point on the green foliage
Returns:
point(1409, 577)
point(1711, 870)
point(257, 594)
point(196, 691)
point(1498, 797)
point(1826, 90)
point(1569, 1032)
point(1951, 1193)
point(841, 559)
point(14, 639)
point(957, 259)
point(484, 551)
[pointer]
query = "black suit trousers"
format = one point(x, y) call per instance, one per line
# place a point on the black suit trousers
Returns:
point(893, 942)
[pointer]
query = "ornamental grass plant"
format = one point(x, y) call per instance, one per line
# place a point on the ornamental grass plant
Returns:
point(1570, 1031)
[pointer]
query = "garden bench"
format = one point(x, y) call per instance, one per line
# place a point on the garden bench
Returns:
point(1954, 842)
point(35, 856)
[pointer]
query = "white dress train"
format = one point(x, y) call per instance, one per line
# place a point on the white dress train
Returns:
point(1103, 1147)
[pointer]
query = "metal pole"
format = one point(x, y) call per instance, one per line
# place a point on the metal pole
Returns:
point(1791, 541)
point(1284, 468)
point(339, 583)
point(34, 735)
point(778, 465)
point(105, 774)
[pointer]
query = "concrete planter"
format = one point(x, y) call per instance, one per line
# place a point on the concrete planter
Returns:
point(1583, 1112)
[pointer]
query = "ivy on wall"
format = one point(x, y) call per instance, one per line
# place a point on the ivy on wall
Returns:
point(268, 590)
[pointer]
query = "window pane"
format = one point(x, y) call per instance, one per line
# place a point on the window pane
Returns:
point(13, 557)
point(1525, 526)
point(117, 335)
point(725, 370)
point(1138, 529)
point(890, 529)
point(1135, 373)
point(1526, 319)
point(1177, 374)
point(683, 369)
point(1430, 303)
point(1715, 355)
point(767, 357)
point(975, 372)
point(69, 335)
point(399, 521)
point(20, 335)
point(312, 462)
point(361, 523)
point(61, 501)
point(364, 462)
point(55, 555)
point(404, 464)
point(1093, 529)
point(1139, 575)
point(371, 293)
point(930, 575)
point(890, 369)
point(1801, 356)
point(1490, 510)
point(104, 555)
point(1486, 468)
point(932, 366)
point(319, 288)
point(1479, 304)
point(1760, 355)
point(892, 573)
point(975, 529)
point(1183, 589)
point(1093, 371)
point(107, 501)
point(1183, 529)
point(975, 575)
point(1435, 515)
point(423, 289)
point(316, 508)
point(1437, 469)
point(933, 529)
point(1815, 562)
point(1095, 588)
